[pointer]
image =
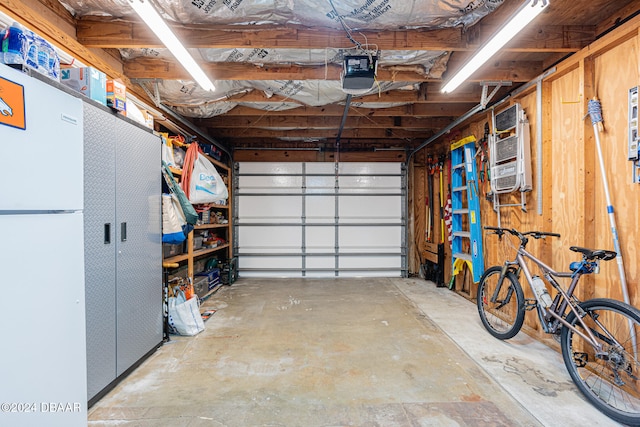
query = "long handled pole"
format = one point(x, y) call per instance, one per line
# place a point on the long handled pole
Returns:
point(595, 111)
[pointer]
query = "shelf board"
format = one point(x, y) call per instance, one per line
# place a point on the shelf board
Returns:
point(198, 253)
point(205, 251)
point(213, 205)
point(209, 226)
point(175, 258)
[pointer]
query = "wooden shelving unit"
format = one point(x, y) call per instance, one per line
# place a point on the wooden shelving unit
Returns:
point(225, 250)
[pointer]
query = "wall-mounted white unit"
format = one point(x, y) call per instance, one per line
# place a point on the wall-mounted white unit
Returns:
point(510, 152)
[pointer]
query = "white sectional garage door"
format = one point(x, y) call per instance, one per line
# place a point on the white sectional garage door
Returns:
point(320, 220)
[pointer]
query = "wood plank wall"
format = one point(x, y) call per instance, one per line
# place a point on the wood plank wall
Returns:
point(573, 198)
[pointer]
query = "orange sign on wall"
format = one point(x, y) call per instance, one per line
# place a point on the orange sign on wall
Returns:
point(12, 111)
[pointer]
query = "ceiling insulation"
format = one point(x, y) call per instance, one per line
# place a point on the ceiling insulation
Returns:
point(357, 14)
point(186, 98)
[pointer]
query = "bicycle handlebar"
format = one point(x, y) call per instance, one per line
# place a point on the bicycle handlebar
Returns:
point(522, 236)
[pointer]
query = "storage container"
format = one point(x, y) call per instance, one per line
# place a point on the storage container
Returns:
point(212, 276)
point(88, 81)
point(171, 250)
point(200, 285)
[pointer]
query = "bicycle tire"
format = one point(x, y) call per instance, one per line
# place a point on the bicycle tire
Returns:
point(503, 318)
point(611, 382)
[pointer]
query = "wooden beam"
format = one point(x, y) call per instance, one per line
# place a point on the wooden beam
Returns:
point(55, 24)
point(104, 33)
point(366, 133)
point(154, 68)
point(285, 155)
point(417, 110)
point(624, 32)
point(240, 143)
point(59, 31)
point(537, 38)
point(428, 94)
point(324, 122)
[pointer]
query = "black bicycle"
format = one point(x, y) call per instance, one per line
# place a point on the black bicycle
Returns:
point(598, 337)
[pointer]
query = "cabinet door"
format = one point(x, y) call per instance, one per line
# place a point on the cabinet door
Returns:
point(139, 243)
point(100, 267)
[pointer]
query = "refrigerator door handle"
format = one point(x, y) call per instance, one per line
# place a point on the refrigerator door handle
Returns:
point(123, 232)
point(107, 233)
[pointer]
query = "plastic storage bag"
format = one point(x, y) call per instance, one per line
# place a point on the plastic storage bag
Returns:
point(184, 315)
point(206, 184)
point(172, 220)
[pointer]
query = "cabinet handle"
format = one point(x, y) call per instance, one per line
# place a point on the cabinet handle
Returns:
point(107, 233)
point(123, 232)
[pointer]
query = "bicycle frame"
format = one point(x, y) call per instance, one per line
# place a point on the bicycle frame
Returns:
point(556, 310)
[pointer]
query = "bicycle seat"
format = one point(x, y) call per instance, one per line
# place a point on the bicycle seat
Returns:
point(590, 254)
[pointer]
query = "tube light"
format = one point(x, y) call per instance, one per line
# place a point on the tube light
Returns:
point(160, 28)
point(525, 14)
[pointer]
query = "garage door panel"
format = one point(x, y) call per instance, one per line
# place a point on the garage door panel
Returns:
point(278, 238)
point(271, 168)
point(318, 168)
point(369, 184)
point(270, 184)
point(363, 209)
point(270, 209)
point(279, 235)
point(320, 239)
point(370, 168)
point(251, 262)
point(320, 209)
point(369, 239)
point(320, 184)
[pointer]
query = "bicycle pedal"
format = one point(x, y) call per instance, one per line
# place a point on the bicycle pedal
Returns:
point(530, 304)
point(580, 359)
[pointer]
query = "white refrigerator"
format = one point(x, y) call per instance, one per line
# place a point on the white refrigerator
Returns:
point(42, 300)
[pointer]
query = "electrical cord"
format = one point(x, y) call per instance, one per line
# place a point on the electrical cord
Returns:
point(345, 27)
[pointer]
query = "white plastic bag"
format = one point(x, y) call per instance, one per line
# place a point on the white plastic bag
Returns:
point(173, 220)
point(206, 184)
point(167, 153)
point(184, 316)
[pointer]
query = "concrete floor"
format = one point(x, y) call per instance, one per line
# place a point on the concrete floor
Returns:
point(346, 352)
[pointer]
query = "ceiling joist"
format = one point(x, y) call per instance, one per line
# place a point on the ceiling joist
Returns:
point(104, 33)
point(155, 68)
point(420, 111)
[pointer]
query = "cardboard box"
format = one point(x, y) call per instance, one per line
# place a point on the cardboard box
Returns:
point(116, 95)
point(88, 81)
point(148, 119)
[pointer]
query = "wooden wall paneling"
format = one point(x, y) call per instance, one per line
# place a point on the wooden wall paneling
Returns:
point(413, 244)
point(416, 214)
point(616, 71)
point(547, 169)
point(567, 167)
point(587, 83)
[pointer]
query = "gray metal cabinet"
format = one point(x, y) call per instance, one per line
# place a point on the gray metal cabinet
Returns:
point(123, 245)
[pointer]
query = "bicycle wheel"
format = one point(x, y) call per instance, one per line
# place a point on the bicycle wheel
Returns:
point(500, 305)
point(611, 380)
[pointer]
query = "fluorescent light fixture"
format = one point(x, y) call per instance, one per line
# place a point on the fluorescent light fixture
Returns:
point(154, 21)
point(525, 14)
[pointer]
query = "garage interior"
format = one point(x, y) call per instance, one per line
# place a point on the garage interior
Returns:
point(344, 302)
